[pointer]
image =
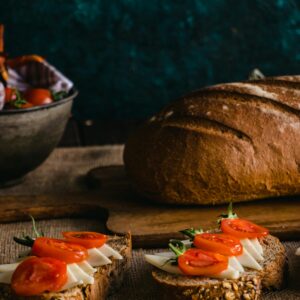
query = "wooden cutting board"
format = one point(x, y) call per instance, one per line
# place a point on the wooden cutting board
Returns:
point(111, 198)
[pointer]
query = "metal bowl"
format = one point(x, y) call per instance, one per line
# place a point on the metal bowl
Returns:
point(28, 136)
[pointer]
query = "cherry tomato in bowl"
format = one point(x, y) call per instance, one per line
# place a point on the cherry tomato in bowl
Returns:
point(219, 242)
point(241, 228)
point(198, 262)
point(37, 275)
point(19, 104)
point(60, 249)
point(10, 94)
point(38, 96)
point(86, 238)
point(13, 99)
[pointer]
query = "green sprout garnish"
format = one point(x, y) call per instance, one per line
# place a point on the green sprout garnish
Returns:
point(191, 232)
point(177, 246)
point(230, 214)
point(34, 229)
point(56, 96)
point(27, 240)
point(18, 101)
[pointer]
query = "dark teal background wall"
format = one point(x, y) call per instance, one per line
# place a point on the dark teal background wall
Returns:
point(128, 58)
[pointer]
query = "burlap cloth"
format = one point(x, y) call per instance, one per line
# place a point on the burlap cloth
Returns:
point(64, 171)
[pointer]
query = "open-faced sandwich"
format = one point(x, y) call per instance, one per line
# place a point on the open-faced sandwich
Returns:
point(236, 261)
point(82, 265)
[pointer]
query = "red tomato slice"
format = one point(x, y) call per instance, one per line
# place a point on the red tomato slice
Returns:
point(63, 250)
point(198, 262)
point(242, 228)
point(86, 238)
point(38, 96)
point(37, 275)
point(219, 242)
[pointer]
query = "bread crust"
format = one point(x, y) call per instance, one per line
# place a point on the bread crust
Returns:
point(230, 142)
point(107, 278)
point(249, 286)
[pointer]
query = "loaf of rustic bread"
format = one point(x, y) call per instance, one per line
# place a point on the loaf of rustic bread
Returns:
point(229, 142)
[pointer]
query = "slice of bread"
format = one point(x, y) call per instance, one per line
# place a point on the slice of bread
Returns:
point(248, 286)
point(107, 278)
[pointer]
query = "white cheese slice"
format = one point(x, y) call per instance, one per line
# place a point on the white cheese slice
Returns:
point(96, 258)
point(110, 252)
point(247, 260)
point(235, 264)
point(9, 267)
point(168, 254)
point(86, 267)
point(6, 272)
point(229, 273)
point(5, 277)
point(187, 243)
point(80, 275)
point(72, 280)
point(247, 244)
point(255, 242)
point(161, 263)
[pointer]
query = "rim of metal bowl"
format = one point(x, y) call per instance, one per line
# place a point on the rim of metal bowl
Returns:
point(72, 94)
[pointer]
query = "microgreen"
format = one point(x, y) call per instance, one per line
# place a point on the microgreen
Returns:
point(229, 215)
point(27, 240)
point(191, 232)
point(56, 96)
point(177, 247)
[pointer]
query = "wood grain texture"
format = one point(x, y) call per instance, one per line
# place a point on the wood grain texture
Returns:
point(151, 224)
